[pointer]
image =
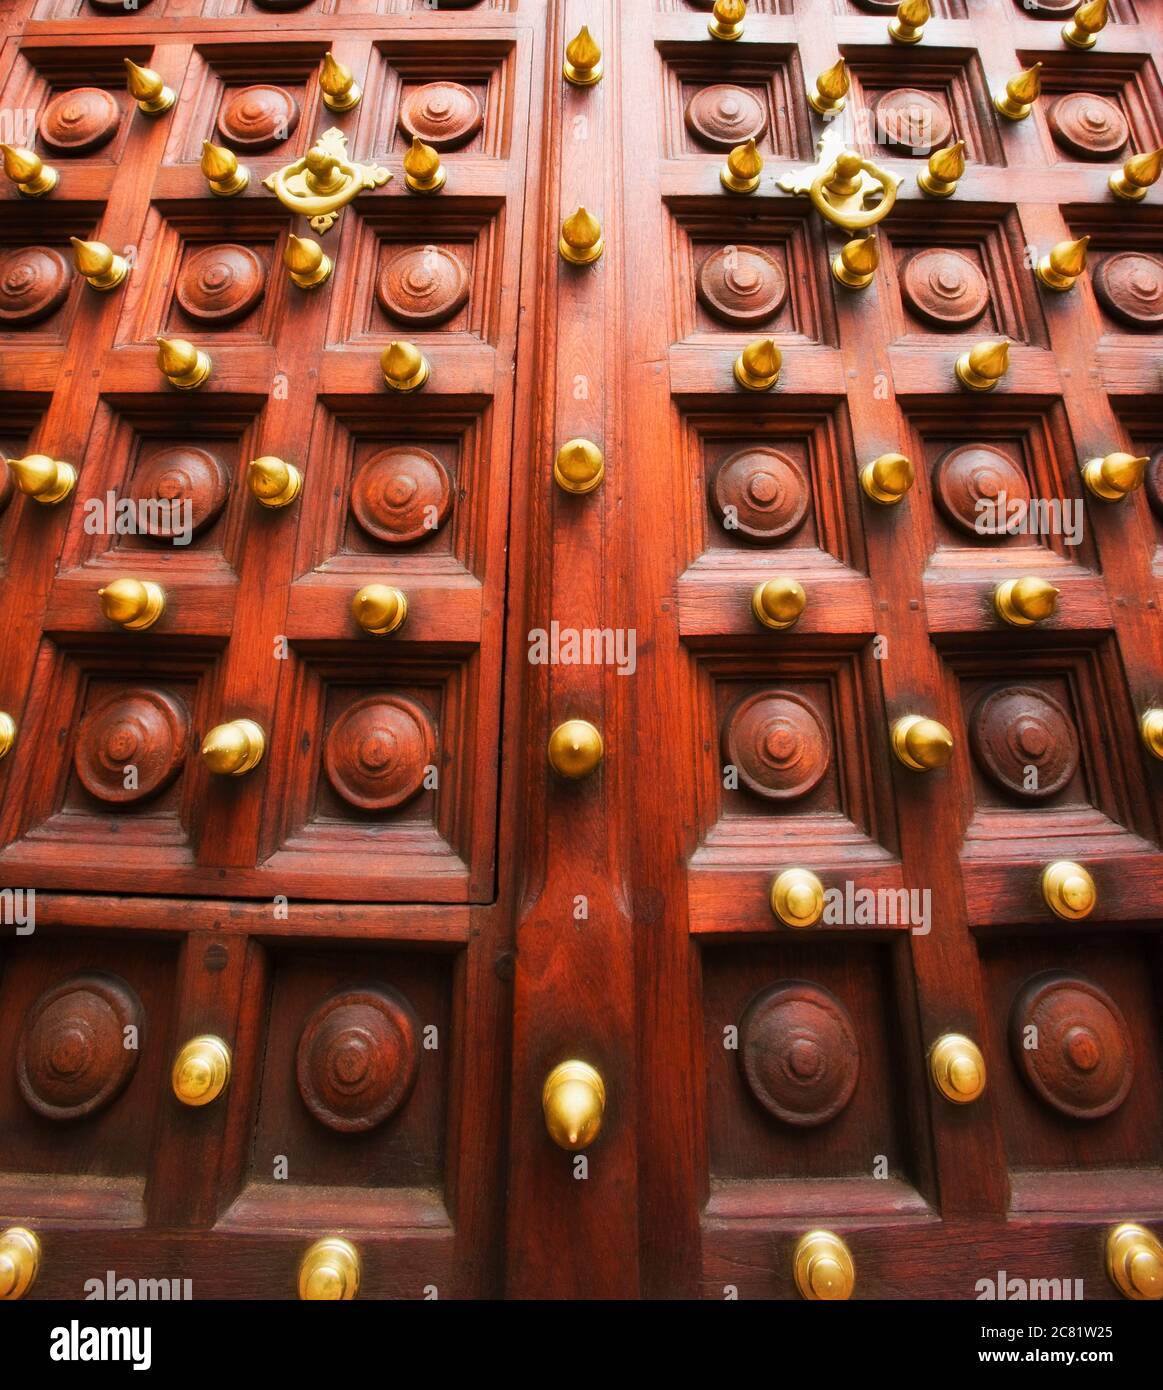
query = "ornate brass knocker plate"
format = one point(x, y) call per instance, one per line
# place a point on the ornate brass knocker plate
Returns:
point(322, 183)
point(848, 189)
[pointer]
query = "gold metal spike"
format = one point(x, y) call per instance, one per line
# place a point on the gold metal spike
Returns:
point(423, 171)
point(147, 88)
point(831, 91)
point(856, 264)
point(8, 733)
point(31, 175)
point(778, 603)
point(1017, 101)
point(887, 479)
point(379, 609)
point(758, 366)
point(182, 364)
point(1068, 890)
point(741, 172)
point(1025, 601)
point(404, 367)
point(579, 467)
point(306, 262)
point(957, 1068)
point(46, 480)
point(1137, 175)
point(226, 177)
point(910, 21)
point(1089, 18)
point(1114, 477)
point(100, 266)
point(797, 898)
point(273, 482)
point(338, 85)
point(1061, 267)
point(939, 177)
point(727, 20)
point(822, 1267)
point(581, 241)
point(133, 604)
point(575, 749)
point(921, 744)
point(583, 59)
point(983, 366)
point(1151, 728)
point(232, 750)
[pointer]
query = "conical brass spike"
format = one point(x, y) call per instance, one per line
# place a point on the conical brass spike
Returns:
point(910, 21)
point(831, 89)
point(306, 262)
point(945, 167)
point(1026, 601)
point(727, 19)
point(423, 171)
point(98, 264)
point(147, 88)
point(1063, 265)
point(856, 264)
point(222, 170)
point(779, 603)
point(1017, 101)
point(7, 733)
point(231, 750)
point(46, 480)
point(133, 604)
point(338, 85)
point(583, 59)
point(1151, 727)
point(887, 479)
point(921, 744)
point(983, 366)
point(31, 175)
point(379, 609)
point(1137, 175)
point(758, 366)
point(1082, 31)
point(273, 482)
point(182, 364)
point(404, 367)
point(1116, 476)
point(742, 171)
point(581, 239)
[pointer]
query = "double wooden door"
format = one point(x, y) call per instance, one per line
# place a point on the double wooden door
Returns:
point(305, 979)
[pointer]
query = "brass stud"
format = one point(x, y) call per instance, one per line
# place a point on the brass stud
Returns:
point(222, 171)
point(758, 366)
point(939, 177)
point(147, 88)
point(583, 59)
point(573, 1101)
point(887, 479)
point(234, 749)
point(575, 749)
point(31, 175)
point(921, 744)
point(1134, 1261)
point(727, 20)
point(1151, 728)
point(8, 733)
point(797, 898)
point(133, 604)
point(581, 241)
point(379, 609)
point(101, 267)
point(1116, 476)
point(46, 480)
point(855, 266)
point(19, 1262)
point(957, 1068)
point(1068, 890)
point(201, 1070)
point(1025, 601)
point(910, 21)
point(404, 367)
point(823, 1267)
point(1017, 101)
point(273, 482)
point(338, 86)
point(330, 1270)
point(182, 364)
point(423, 171)
point(983, 366)
point(1061, 267)
point(579, 467)
point(1089, 18)
point(1137, 175)
point(307, 263)
point(829, 97)
point(778, 603)
point(741, 172)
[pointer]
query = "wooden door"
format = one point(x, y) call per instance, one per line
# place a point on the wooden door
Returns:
point(403, 917)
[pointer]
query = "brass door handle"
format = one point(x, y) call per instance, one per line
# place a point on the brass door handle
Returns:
point(841, 184)
point(322, 183)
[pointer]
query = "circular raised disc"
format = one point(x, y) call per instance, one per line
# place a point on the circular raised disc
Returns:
point(1155, 483)
point(142, 728)
point(444, 115)
point(179, 473)
point(80, 121)
point(1019, 735)
point(5, 481)
point(72, 1060)
point(220, 284)
point(760, 494)
point(119, 6)
point(912, 121)
point(422, 285)
point(1084, 1062)
point(944, 288)
point(401, 495)
point(799, 1053)
point(1046, 9)
point(357, 1058)
point(974, 473)
point(257, 118)
point(282, 4)
point(724, 116)
point(741, 284)
point(34, 283)
point(779, 743)
point(377, 752)
point(1087, 125)
point(879, 6)
point(1129, 286)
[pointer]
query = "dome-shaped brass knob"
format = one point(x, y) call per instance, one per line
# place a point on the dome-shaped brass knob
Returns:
point(379, 609)
point(575, 749)
point(147, 88)
point(741, 172)
point(921, 744)
point(1151, 727)
point(1068, 890)
point(1134, 1261)
point(983, 366)
point(273, 482)
point(1026, 601)
point(579, 467)
point(1116, 476)
point(7, 733)
point(201, 1070)
point(726, 22)
point(182, 364)
point(222, 171)
point(581, 241)
point(404, 367)
point(886, 479)
point(583, 59)
point(19, 1262)
point(338, 85)
point(758, 366)
point(823, 1266)
point(133, 604)
point(306, 262)
point(423, 171)
point(797, 898)
point(47, 481)
point(329, 1270)
point(1060, 268)
point(855, 265)
point(31, 175)
point(1017, 101)
point(573, 1101)
point(957, 1068)
point(778, 603)
point(99, 264)
point(230, 750)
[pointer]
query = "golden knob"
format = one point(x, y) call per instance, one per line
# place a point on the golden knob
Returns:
point(47, 481)
point(1112, 478)
point(182, 364)
point(983, 366)
point(379, 609)
point(133, 604)
point(19, 1262)
point(307, 263)
point(823, 1266)
point(222, 170)
point(886, 479)
point(1017, 101)
point(741, 172)
point(338, 85)
point(1068, 890)
point(945, 167)
point(921, 744)
point(910, 21)
point(579, 467)
point(147, 88)
point(957, 1068)
point(1082, 31)
point(1061, 267)
point(1134, 1261)
point(778, 603)
point(274, 482)
point(329, 1270)
point(31, 175)
point(423, 171)
point(7, 733)
point(100, 266)
point(832, 85)
point(581, 241)
point(727, 20)
point(1137, 175)
point(1151, 727)
point(573, 1101)
point(856, 264)
point(201, 1070)
point(230, 750)
point(583, 59)
point(758, 366)
point(797, 898)
point(1026, 601)
point(575, 749)
point(404, 367)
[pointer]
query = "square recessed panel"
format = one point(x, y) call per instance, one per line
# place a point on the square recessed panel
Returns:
point(20, 415)
point(1142, 419)
point(713, 102)
point(1099, 106)
point(40, 291)
point(1125, 268)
